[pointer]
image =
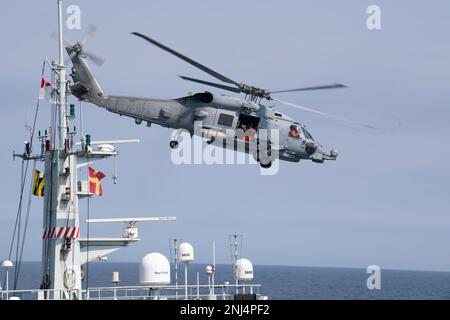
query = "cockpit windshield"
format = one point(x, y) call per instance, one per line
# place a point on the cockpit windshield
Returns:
point(307, 134)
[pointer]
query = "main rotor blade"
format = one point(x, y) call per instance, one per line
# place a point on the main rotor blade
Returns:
point(329, 86)
point(217, 85)
point(329, 115)
point(188, 60)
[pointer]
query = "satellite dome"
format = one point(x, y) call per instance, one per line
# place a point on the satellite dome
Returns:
point(185, 252)
point(244, 270)
point(7, 264)
point(209, 270)
point(154, 270)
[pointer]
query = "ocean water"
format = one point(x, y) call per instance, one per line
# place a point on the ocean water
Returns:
point(282, 282)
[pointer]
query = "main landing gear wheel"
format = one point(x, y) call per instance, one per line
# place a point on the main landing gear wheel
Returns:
point(264, 157)
point(265, 163)
point(173, 144)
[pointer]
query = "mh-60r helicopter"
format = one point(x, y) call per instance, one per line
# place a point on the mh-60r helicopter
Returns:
point(219, 114)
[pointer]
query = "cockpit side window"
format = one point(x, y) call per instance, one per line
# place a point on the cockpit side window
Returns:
point(294, 132)
point(307, 134)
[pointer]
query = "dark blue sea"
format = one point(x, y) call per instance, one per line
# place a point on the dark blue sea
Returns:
point(283, 282)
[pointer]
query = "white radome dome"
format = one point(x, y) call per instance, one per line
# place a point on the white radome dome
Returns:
point(185, 252)
point(154, 270)
point(244, 270)
point(7, 264)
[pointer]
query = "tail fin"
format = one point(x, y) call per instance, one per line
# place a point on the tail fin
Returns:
point(86, 86)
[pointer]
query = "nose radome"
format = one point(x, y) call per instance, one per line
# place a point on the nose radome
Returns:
point(334, 153)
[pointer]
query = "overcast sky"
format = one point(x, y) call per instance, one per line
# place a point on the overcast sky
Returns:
point(385, 201)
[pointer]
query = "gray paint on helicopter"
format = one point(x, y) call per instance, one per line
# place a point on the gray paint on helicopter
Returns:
point(294, 143)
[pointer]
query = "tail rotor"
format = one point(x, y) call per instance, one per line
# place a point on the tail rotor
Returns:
point(79, 46)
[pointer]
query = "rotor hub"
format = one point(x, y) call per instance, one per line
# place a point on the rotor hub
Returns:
point(254, 92)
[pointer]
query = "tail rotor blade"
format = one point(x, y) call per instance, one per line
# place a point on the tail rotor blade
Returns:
point(90, 32)
point(55, 37)
point(97, 60)
point(92, 29)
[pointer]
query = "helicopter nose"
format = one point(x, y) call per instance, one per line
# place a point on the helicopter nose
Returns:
point(321, 155)
point(334, 153)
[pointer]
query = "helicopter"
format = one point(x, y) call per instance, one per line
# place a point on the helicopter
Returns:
point(217, 118)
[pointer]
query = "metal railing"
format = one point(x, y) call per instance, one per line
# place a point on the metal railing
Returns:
point(171, 292)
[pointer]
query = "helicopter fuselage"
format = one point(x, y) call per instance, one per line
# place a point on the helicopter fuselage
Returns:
point(218, 118)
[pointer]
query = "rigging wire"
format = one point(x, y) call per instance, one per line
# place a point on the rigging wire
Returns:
point(22, 246)
point(16, 238)
point(19, 210)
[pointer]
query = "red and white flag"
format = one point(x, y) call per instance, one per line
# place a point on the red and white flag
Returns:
point(46, 91)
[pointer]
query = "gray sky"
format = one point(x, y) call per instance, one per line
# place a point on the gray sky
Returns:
point(385, 201)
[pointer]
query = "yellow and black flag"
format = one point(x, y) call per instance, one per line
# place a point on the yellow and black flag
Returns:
point(38, 184)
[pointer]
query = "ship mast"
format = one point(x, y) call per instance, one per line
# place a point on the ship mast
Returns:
point(61, 270)
point(61, 82)
point(63, 251)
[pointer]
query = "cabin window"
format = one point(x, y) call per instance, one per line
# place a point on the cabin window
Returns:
point(226, 120)
point(294, 132)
